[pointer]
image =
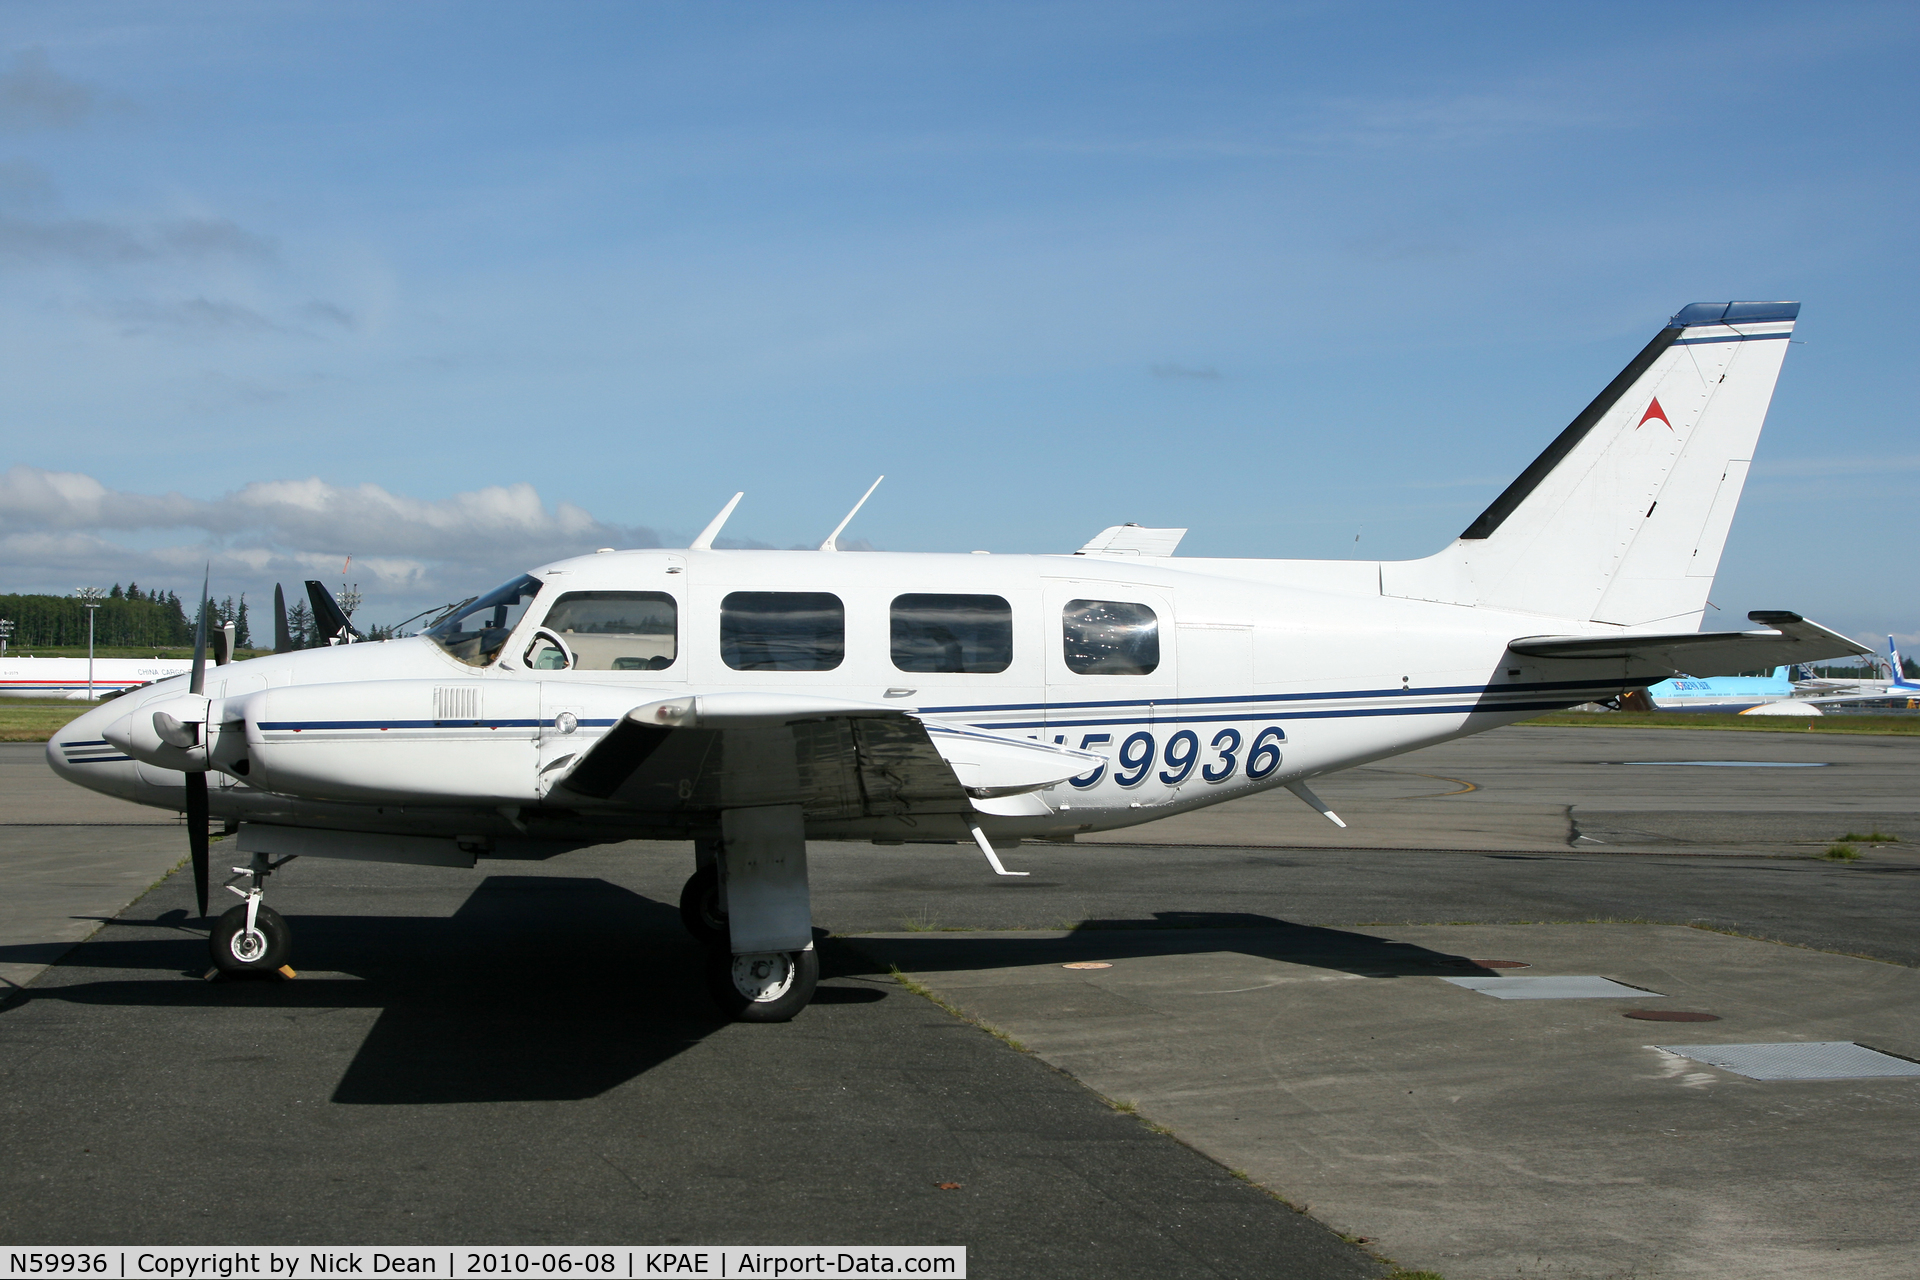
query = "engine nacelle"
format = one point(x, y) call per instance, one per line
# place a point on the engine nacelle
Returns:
point(170, 733)
point(427, 742)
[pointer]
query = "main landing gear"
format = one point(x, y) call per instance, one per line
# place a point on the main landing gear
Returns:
point(252, 937)
point(748, 901)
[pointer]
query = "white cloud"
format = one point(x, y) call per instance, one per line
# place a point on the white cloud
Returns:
point(59, 529)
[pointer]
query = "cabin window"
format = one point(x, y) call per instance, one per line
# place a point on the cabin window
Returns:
point(1111, 638)
point(782, 631)
point(616, 630)
point(474, 632)
point(972, 634)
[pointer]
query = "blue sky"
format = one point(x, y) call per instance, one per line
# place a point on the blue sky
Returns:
point(547, 276)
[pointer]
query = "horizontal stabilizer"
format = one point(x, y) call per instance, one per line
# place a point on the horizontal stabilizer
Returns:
point(1133, 540)
point(1788, 639)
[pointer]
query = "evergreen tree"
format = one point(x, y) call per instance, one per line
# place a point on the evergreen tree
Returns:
point(133, 591)
point(115, 593)
point(241, 638)
point(300, 625)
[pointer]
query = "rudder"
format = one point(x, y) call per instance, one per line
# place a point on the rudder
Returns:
point(1623, 517)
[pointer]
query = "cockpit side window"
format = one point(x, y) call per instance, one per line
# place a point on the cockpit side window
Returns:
point(617, 630)
point(1111, 638)
point(475, 633)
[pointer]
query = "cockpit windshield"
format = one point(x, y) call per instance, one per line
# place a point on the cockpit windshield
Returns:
point(474, 633)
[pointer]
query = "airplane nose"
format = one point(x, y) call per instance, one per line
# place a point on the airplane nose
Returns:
point(82, 741)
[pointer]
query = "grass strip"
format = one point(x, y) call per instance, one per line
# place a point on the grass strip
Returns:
point(36, 720)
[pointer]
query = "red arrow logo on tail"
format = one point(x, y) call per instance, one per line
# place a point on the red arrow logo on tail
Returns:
point(1654, 411)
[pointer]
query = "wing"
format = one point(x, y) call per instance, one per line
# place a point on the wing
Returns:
point(1788, 639)
point(838, 759)
point(1860, 694)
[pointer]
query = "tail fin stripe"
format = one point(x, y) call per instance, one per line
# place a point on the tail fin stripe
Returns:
point(1563, 444)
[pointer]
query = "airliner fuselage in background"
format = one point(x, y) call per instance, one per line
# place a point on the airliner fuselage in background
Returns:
point(748, 701)
point(67, 678)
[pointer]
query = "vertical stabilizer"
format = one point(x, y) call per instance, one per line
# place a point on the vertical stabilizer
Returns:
point(1896, 669)
point(1622, 518)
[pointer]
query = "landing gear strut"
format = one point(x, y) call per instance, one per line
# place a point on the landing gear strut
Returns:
point(749, 902)
point(700, 909)
point(252, 937)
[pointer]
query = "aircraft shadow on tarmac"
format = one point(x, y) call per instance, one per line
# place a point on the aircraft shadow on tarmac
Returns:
point(538, 988)
point(1171, 933)
point(550, 988)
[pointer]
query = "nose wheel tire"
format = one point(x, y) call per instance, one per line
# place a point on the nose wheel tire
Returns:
point(262, 949)
point(770, 986)
point(700, 906)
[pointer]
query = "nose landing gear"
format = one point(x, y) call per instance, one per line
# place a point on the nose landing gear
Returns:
point(251, 937)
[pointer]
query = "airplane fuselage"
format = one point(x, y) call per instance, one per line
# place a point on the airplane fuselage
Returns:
point(1260, 673)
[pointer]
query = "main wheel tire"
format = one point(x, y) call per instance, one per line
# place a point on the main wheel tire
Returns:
point(771, 986)
point(264, 949)
point(700, 906)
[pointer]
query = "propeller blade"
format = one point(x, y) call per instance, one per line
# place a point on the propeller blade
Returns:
point(198, 684)
point(197, 835)
point(282, 638)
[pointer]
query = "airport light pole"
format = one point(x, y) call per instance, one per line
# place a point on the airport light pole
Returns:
point(6, 633)
point(90, 598)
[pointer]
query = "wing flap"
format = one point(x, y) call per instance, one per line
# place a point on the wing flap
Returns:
point(709, 752)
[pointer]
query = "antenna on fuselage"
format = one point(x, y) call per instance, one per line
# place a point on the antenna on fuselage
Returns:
point(828, 545)
point(705, 541)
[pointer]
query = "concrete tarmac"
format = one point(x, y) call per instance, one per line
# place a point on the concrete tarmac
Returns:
point(1481, 1137)
point(522, 1053)
point(73, 859)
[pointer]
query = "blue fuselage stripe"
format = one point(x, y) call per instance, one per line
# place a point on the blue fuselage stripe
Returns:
point(1543, 686)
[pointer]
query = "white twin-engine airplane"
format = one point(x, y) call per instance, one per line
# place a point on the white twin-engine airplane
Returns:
point(751, 701)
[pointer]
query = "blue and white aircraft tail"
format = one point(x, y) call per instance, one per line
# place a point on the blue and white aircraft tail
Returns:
point(1896, 685)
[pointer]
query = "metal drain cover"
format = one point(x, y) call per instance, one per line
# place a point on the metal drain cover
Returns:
point(1804, 1060)
point(1585, 988)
